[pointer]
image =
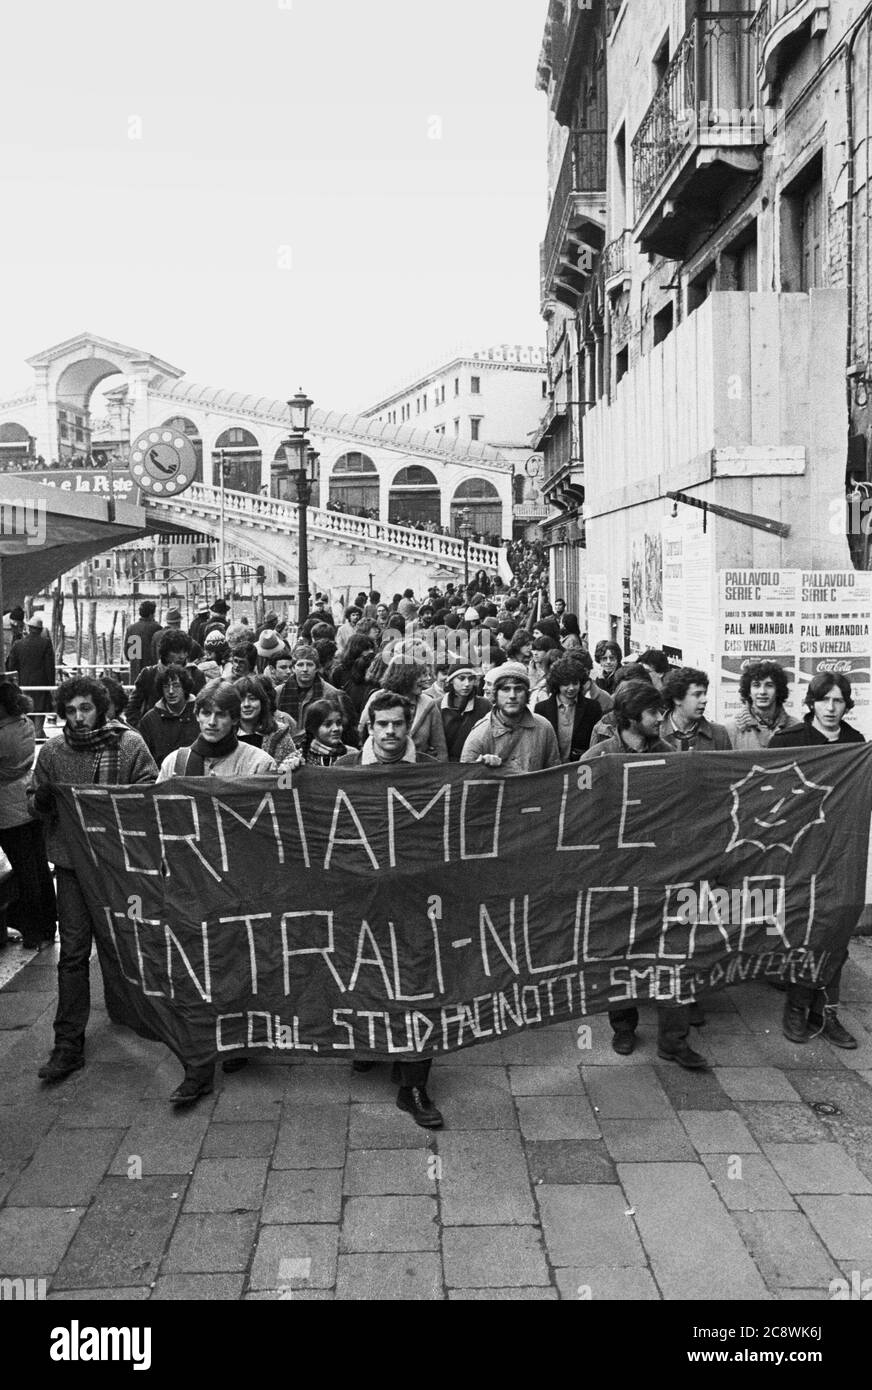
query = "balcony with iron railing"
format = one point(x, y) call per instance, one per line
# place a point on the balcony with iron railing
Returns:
point(701, 135)
point(615, 261)
point(576, 221)
point(780, 28)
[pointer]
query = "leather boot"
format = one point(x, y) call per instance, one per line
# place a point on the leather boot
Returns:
point(794, 1022)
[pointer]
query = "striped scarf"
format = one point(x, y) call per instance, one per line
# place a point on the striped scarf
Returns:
point(106, 745)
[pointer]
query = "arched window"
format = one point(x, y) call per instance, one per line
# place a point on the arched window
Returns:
point(414, 498)
point(16, 445)
point(480, 500)
point(241, 457)
point(354, 486)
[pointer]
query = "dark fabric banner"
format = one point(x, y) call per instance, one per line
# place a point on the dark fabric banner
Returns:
point(411, 911)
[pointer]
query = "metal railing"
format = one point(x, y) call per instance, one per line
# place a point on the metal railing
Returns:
point(708, 95)
point(616, 256)
point(583, 171)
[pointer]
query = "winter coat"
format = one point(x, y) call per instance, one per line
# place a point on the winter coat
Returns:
point(586, 716)
point(244, 761)
point(459, 723)
point(614, 745)
point(33, 658)
point(163, 732)
point(137, 644)
point(805, 735)
point(747, 734)
point(17, 743)
point(528, 747)
point(427, 732)
point(708, 738)
point(144, 695)
point(58, 764)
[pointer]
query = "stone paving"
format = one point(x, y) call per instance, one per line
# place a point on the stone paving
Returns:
point(564, 1171)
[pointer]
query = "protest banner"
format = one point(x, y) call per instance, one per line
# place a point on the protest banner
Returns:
point(403, 911)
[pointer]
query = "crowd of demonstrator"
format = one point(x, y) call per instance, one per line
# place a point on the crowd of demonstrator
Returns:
point(479, 674)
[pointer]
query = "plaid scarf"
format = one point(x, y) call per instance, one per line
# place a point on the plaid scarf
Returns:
point(320, 754)
point(106, 744)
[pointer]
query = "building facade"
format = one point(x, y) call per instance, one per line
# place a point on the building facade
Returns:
point(705, 286)
point(496, 397)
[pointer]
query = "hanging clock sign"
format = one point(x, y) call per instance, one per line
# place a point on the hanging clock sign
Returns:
point(162, 462)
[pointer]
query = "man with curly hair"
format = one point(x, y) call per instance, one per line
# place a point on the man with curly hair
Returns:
point(763, 690)
point(91, 750)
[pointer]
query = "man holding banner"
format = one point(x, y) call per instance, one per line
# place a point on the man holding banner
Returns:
point(390, 719)
point(91, 750)
point(810, 1011)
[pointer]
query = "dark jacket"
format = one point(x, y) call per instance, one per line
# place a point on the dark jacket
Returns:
point(144, 696)
point(163, 732)
point(137, 644)
point(587, 714)
point(458, 723)
point(707, 737)
point(290, 699)
point(33, 658)
point(805, 735)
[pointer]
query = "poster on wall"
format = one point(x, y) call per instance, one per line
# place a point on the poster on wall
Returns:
point(654, 577)
point(688, 595)
point(834, 635)
point(809, 621)
point(598, 629)
point(637, 583)
point(626, 606)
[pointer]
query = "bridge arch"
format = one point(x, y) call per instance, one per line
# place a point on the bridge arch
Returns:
point(482, 501)
point(415, 497)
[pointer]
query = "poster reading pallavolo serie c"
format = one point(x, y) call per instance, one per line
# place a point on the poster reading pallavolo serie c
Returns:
point(808, 621)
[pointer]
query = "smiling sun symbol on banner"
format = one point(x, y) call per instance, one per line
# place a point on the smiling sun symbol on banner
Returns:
point(774, 806)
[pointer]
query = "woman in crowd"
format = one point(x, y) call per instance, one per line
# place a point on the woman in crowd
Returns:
point(350, 673)
point(461, 707)
point(33, 913)
point(538, 668)
point(571, 638)
point(259, 724)
point(320, 744)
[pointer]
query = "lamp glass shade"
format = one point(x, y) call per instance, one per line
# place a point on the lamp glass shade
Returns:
point(299, 406)
point(312, 457)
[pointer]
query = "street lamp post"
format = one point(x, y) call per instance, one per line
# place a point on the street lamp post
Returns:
point(465, 530)
point(221, 547)
point(298, 449)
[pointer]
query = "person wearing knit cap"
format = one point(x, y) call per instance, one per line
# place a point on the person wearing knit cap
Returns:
point(461, 707)
point(511, 737)
point(269, 645)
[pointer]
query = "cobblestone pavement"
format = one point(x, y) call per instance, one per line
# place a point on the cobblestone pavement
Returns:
point(563, 1171)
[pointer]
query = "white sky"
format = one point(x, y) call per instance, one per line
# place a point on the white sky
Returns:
point(270, 124)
